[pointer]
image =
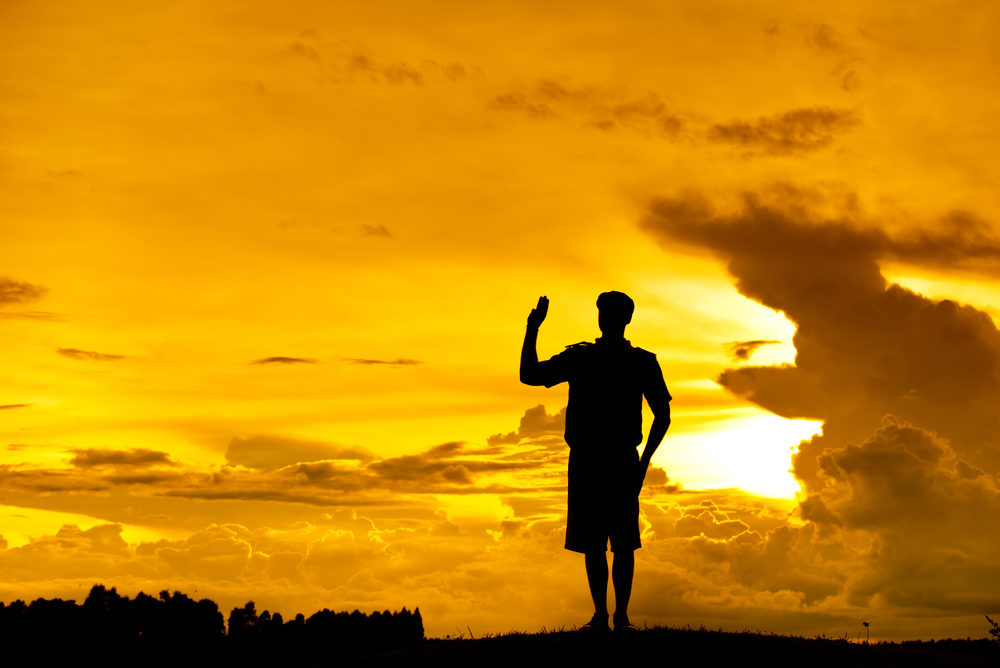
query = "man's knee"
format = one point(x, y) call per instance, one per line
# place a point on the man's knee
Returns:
point(624, 558)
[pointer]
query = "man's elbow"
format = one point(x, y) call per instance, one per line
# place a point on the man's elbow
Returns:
point(662, 414)
point(530, 379)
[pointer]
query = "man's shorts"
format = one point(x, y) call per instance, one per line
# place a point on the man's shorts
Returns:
point(603, 504)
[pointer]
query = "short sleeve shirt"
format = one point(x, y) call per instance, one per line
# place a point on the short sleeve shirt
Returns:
point(606, 387)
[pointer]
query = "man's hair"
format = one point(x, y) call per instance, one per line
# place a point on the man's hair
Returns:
point(617, 302)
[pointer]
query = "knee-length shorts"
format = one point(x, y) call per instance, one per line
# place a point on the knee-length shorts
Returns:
point(602, 503)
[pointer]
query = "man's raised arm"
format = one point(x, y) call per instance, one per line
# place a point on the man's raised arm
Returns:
point(529, 356)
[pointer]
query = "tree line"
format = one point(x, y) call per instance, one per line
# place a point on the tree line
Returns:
point(172, 626)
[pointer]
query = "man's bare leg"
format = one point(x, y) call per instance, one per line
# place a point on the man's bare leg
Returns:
point(622, 570)
point(597, 578)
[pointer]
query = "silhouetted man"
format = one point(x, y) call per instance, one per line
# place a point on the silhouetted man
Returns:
point(607, 381)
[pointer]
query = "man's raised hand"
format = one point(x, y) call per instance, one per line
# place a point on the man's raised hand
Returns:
point(537, 314)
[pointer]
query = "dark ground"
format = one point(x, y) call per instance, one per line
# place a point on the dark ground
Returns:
point(670, 647)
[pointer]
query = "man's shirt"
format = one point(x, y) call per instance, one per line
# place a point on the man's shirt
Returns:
point(606, 387)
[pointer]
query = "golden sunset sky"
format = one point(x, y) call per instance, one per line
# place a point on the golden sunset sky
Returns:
point(265, 269)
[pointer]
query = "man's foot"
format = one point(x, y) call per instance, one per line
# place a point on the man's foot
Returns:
point(623, 624)
point(597, 623)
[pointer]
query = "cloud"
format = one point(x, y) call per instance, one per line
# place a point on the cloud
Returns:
point(5, 407)
point(534, 423)
point(795, 131)
point(400, 361)
point(284, 360)
point(31, 315)
point(88, 355)
point(375, 231)
point(19, 292)
point(377, 535)
point(268, 452)
point(742, 350)
point(865, 348)
point(337, 61)
point(595, 106)
point(446, 463)
point(905, 479)
point(825, 40)
point(287, 469)
point(136, 457)
point(900, 487)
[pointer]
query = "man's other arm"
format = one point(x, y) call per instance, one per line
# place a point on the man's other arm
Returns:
point(661, 422)
point(530, 371)
point(658, 398)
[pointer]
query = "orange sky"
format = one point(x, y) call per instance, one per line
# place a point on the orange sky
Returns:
point(264, 271)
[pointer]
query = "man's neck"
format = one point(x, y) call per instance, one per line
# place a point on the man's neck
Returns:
point(613, 341)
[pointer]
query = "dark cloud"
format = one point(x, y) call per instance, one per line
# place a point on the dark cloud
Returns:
point(284, 360)
point(88, 355)
point(522, 103)
point(534, 423)
point(825, 40)
point(824, 37)
point(400, 361)
point(19, 292)
point(375, 231)
point(908, 389)
point(31, 315)
point(742, 350)
point(340, 62)
point(268, 453)
point(904, 477)
point(452, 462)
point(865, 348)
point(287, 469)
point(795, 131)
point(396, 73)
point(136, 457)
point(596, 107)
point(5, 407)
point(789, 132)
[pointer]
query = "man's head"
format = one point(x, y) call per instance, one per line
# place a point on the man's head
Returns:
point(614, 311)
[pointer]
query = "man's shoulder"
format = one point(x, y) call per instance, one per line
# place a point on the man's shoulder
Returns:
point(574, 351)
point(643, 353)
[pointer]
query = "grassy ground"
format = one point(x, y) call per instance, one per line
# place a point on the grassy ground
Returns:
point(673, 647)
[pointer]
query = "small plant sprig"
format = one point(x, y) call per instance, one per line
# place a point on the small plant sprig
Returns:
point(995, 631)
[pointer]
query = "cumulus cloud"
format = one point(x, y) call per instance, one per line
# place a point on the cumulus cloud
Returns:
point(284, 360)
point(535, 423)
point(742, 350)
point(88, 355)
point(865, 348)
point(900, 487)
point(269, 452)
point(19, 292)
point(795, 131)
point(375, 536)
